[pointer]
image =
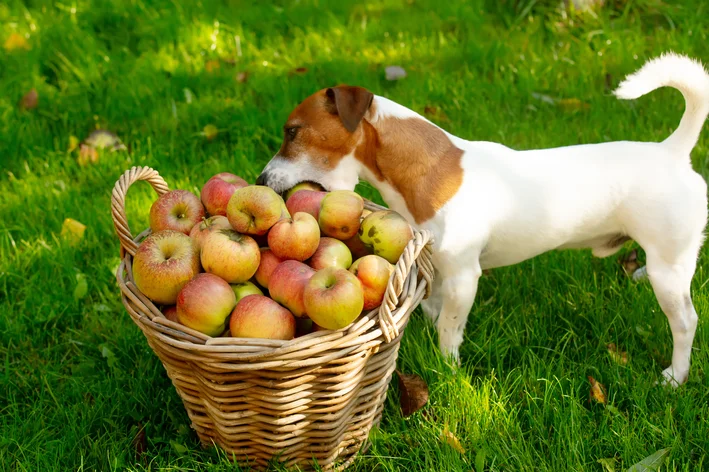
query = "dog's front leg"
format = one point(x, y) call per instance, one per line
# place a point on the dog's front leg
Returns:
point(457, 289)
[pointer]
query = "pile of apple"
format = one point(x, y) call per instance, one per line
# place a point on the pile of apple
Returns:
point(210, 263)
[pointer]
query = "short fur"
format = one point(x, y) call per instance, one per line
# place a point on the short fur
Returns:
point(490, 206)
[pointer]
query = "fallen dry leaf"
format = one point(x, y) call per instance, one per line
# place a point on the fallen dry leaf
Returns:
point(414, 393)
point(72, 230)
point(597, 392)
point(212, 65)
point(242, 77)
point(394, 73)
point(30, 100)
point(16, 41)
point(87, 155)
point(451, 440)
point(299, 71)
point(435, 113)
point(210, 132)
point(619, 357)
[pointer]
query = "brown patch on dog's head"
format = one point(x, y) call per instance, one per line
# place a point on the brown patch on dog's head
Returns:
point(325, 126)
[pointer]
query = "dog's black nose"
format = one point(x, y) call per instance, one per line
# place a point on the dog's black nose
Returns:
point(261, 179)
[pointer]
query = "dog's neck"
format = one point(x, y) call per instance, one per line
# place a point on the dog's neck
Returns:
point(412, 162)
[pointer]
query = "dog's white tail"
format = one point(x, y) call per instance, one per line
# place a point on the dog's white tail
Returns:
point(686, 75)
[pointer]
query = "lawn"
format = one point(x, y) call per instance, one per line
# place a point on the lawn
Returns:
point(78, 382)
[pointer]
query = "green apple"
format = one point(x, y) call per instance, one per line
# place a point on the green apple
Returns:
point(340, 213)
point(333, 298)
point(387, 233)
point(245, 289)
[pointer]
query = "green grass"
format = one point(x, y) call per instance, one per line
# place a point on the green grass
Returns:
point(77, 379)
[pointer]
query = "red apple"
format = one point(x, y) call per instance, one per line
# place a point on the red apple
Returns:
point(205, 303)
point(387, 233)
point(331, 252)
point(340, 213)
point(333, 298)
point(178, 210)
point(303, 186)
point(170, 313)
point(256, 316)
point(295, 238)
point(255, 209)
point(266, 267)
point(203, 228)
point(373, 272)
point(164, 262)
point(245, 289)
point(218, 190)
point(287, 283)
point(307, 201)
point(357, 247)
point(230, 255)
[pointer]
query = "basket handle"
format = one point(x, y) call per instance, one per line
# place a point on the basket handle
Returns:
point(118, 202)
point(419, 247)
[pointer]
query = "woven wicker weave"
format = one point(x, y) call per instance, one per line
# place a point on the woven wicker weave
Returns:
point(312, 398)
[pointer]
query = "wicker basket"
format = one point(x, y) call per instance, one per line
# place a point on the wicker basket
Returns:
point(312, 398)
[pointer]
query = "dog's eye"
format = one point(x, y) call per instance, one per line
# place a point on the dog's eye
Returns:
point(291, 132)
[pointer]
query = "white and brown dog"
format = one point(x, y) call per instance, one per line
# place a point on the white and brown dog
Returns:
point(490, 206)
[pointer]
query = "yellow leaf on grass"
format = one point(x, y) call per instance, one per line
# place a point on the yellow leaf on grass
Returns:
point(73, 143)
point(598, 391)
point(210, 132)
point(618, 356)
point(573, 104)
point(451, 440)
point(73, 231)
point(16, 41)
point(212, 65)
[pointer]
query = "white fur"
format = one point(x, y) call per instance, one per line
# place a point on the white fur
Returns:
point(514, 205)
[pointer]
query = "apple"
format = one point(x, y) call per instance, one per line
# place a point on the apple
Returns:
point(255, 209)
point(204, 304)
point(340, 213)
point(287, 283)
point(387, 233)
point(230, 255)
point(331, 252)
point(357, 247)
point(164, 262)
point(218, 190)
point(295, 238)
point(373, 272)
point(203, 228)
point(178, 210)
point(256, 316)
point(245, 289)
point(307, 201)
point(333, 298)
point(170, 313)
point(303, 186)
point(268, 263)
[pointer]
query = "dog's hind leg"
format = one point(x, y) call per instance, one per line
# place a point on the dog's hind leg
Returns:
point(459, 284)
point(671, 281)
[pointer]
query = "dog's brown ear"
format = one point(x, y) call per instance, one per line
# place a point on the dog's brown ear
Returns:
point(350, 104)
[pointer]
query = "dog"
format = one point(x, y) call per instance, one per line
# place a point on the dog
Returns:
point(490, 206)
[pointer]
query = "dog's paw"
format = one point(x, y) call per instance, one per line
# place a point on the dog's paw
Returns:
point(673, 379)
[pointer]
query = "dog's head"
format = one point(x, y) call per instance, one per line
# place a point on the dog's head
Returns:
point(319, 142)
